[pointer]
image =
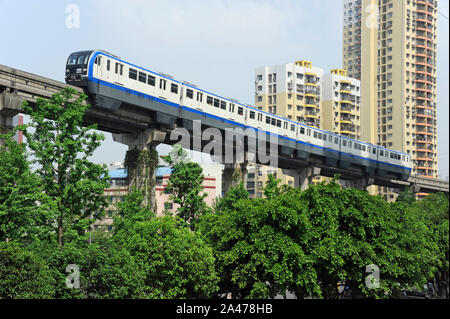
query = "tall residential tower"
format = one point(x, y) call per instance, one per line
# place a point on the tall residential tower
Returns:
point(391, 46)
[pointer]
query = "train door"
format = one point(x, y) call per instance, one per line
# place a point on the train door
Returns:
point(98, 66)
point(118, 73)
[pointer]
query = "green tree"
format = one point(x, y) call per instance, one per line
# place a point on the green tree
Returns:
point(186, 186)
point(175, 261)
point(61, 147)
point(257, 244)
point(308, 241)
point(435, 211)
point(23, 274)
point(105, 271)
point(26, 212)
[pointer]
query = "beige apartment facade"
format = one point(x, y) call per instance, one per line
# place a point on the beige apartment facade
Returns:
point(341, 104)
point(391, 46)
point(302, 92)
point(293, 91)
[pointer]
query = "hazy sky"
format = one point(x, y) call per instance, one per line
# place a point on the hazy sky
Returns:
point(215, 44)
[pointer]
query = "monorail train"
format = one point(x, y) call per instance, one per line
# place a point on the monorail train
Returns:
point(111, 81)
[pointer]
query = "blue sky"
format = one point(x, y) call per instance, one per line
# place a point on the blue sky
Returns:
point(215, 44)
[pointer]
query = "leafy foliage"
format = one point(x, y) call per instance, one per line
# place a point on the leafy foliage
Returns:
point(26, 212)
point(176, 261)
point(62, 147)
point(306, 242)
point(186, 185)
point(23, 275)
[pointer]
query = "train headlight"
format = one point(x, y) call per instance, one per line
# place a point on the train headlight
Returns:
point(67, 70)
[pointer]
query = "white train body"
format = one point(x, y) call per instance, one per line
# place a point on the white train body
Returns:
point(114, 81)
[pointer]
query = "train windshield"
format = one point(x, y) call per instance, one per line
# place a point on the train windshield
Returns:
point(78, 59)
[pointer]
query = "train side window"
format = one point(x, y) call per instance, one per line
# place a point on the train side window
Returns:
point(315, 134)
point(381, 153)
point(273, 121)
point(403, 157)
point(252, 115)
point(116, 68)
point(162, 84)
point(108, 65)
point(121, 69)
point(216, 102)
point(142, 77)
point(209, 100)
point(308, 132)
point(349, 144)
point(364, 148)
point(267, 120)
point(223, 105)
point(190, 93)
point(240, 111)
point(344, 143)
point(174, 88)
point(330, 139)
point(336, 140)
point(302, 130)
point(278, 123)
point(324, 137)
point(199, 96)
point(285, 125)
point(374, 151)
point(231, 108)
point(132, 74)
point(151, 80)
point(293, 128)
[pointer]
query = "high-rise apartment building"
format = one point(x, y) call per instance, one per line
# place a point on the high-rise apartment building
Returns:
point(294, 91)
point(341, 104)
point(303, 93)
point(391, 46)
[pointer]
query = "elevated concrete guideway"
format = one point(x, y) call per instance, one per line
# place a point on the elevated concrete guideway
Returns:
point(139, 129)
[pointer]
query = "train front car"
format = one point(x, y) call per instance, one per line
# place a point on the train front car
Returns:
point(77, 68)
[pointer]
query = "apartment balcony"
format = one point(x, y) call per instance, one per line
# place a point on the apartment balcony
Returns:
point(347, 107)
point(347, 133)
point(311, 101)
point(314, 106)
point(310, 115)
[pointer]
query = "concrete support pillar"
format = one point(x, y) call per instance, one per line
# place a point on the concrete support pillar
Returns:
point(414, 189)
point(361, 183)
point(141, 161)
point(10, 106)
point(303, 177)
point(233, 174)
point(6, 124)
